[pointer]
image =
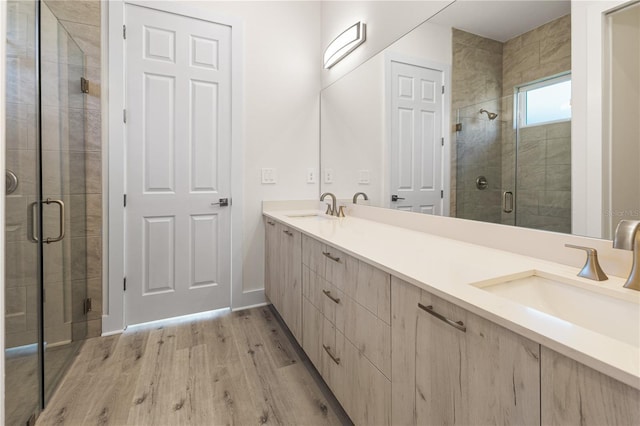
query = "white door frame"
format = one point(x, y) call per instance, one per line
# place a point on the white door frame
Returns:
point(447, 134)
point(113, 320)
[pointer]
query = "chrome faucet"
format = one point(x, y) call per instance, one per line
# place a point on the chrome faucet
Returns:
point(626, 238)
point(355, 197)
point(331, 208)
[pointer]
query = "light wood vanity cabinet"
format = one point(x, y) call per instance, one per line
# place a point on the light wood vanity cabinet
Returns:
point(573, 393)
point(283, 273)
point(347, 332)
point(465, 369)
point(449, 366)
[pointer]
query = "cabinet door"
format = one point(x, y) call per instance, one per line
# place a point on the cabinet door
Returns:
point(291, 290)
point(484, 374)
point(404, 318)
point(364, 392)
point(271, 248)
point(573, 393)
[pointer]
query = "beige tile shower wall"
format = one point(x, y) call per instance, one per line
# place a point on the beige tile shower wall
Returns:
point(21, 254)
point(81, 19)
point(477, 83)
point(544, 155)
point(72, 142)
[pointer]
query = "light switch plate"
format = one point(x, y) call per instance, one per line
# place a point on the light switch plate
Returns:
point(328, 175)
point(364, 177)
point(268, 175)
point(311, 175)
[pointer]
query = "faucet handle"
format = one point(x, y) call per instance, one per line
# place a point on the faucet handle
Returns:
point(329, 210)
point(340, 211)
point(591, 268)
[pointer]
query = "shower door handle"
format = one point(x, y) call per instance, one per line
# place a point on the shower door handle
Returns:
point(507, 201)
point(60, 236)
point(34, 233)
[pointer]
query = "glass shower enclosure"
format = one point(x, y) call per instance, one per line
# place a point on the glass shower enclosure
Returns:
point(46, 260)
point(513, 157)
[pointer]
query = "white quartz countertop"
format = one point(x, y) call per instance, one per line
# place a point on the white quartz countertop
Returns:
point(447, 268)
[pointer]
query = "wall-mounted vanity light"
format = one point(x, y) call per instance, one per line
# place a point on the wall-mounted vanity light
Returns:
point(344, 44)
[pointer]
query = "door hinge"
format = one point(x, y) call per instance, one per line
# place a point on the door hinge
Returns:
point(441, 193)
point(124, 32)
point(84, 85)
point(124, 282)
point(125, 200)
point(124, 115)
point(443, 90)
point(442, 140)
point(87, 305)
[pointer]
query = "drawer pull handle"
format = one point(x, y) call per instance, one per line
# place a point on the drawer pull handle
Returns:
point(289, 233)
point(335, 259)
point(457, 324)
point(271, 223)
point(333, 357)
point(328, 294)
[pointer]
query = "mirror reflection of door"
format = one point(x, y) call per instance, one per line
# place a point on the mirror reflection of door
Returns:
point(416, 138)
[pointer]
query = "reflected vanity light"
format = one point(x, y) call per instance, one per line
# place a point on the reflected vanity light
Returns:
point(344, 44)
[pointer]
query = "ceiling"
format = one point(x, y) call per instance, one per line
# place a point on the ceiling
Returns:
point(501, 20)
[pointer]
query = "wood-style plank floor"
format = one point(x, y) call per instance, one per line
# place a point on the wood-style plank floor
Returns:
point(232, 368)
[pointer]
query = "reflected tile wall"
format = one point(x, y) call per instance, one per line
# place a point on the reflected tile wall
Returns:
point(544, 152)
point(477, 83)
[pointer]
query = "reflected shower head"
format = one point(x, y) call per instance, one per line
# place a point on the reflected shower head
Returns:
point(491, 115)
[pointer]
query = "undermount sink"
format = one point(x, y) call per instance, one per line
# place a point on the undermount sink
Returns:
point(311, 215)
point(602, 310)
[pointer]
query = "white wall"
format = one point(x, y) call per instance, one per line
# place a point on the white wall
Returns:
point(624, 71)
point(587, 131)
point(386, 22)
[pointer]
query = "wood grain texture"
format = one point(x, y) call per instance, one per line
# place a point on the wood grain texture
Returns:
point(486, 375)
point(232, 368)
point(312, 255)
point(290, 257)
point(404, 319)
point(573, 393)
point(271, 247)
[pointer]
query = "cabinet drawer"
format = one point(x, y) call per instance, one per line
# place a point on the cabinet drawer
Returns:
point(341, 270)
point(370, 335)
point(372, 289)
point(324, 296)
point(312, 255)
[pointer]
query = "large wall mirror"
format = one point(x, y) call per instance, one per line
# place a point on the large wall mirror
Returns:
point(470, 115)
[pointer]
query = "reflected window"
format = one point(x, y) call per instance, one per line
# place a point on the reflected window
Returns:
point(544, 102)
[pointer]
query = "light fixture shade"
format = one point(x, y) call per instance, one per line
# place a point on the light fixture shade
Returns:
point(344, 44)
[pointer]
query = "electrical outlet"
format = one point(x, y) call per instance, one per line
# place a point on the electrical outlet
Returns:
point(363, 177)
point(328, 175)
point(311, 175)
point(268, 175)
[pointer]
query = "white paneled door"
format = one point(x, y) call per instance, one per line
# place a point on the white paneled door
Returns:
point(416, 138)
point(178, 137)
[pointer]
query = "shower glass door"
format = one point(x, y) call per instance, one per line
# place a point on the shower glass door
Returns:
point(485, 165)
point(22, 255)
point(46, 207)
point(63, 198)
